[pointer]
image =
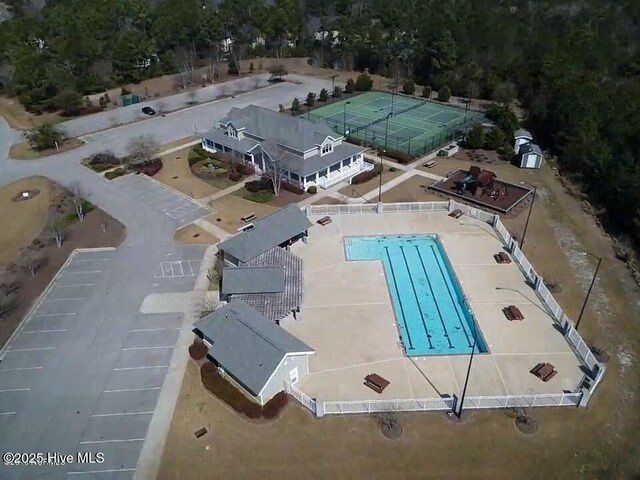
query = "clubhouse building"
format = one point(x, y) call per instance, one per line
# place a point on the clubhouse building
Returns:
point(309, 154)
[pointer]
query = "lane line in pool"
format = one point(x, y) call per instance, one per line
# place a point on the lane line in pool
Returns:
point(415, 294)
point(395, 283)
point(433, 295)
point(455, 307)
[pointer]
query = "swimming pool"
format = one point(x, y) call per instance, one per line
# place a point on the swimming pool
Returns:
point(431, 314)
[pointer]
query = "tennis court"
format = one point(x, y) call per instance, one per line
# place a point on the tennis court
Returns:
point(415, 126)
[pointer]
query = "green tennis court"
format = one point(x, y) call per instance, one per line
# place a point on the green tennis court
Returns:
point(415, 126)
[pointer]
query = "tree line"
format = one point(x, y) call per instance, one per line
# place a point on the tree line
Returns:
point(573, 66)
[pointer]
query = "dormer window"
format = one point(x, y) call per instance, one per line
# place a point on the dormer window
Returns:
point(232, 132)
point(326, 148)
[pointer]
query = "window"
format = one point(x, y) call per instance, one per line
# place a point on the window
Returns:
point(334, 168)
point(311, 178)
point(247, 157)
point(294, 176)
point(346, 162)
point(218, 146)
point(327, 148)
point(209, 143)
point(232, 133)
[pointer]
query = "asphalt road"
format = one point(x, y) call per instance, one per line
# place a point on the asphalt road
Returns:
point(67, 404)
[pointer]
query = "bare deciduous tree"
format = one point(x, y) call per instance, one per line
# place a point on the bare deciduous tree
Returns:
point(142, 149)
point(192, 94)
point(30, 261)
point(79, 196)
point(103, 218)
point(161, 107)
point(205, 306)
point(7, 302)
point(57, 229)
point(274, 169)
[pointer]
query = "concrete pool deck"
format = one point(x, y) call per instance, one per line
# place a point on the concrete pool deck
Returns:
point(347, 317)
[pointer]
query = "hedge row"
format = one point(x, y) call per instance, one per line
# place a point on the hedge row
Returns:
point(229, 394)
point(118, 172)
point(366, 176)
point(263, 196)
point(292, 187)
point(401, 157)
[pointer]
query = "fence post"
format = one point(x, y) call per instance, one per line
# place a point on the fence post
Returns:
point(319, 409)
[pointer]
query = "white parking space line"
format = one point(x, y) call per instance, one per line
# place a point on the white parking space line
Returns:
point(121, 414)
point(80, 271)
point(91, 442)
point(152, 329)
point(19, 368)
point(132, 390)
point(8, 413)
point(91, 260)
point(28, 349)
point(175, 269)
point(92, 472)
point(15, 390)
point(191, 268)
point(61, 299)
point(54, 314)
point(44, 331)
point(140, 368)
point(147, 348)
point(73, 285)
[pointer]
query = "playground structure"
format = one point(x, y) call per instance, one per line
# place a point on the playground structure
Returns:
point(482, 182)
point(482, 188)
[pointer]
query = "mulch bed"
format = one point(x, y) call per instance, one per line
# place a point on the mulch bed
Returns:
point(197, 350)
point(86, 234)
point(34, 192)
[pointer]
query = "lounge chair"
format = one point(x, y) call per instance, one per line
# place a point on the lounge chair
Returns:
point(456, 214)
point(544, 371)
point(512, 313)
point(502, 258)
point(248, 218)
point(376, 383)
point(324, 221)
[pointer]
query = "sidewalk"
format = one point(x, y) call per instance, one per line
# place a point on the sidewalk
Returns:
point(226, 191)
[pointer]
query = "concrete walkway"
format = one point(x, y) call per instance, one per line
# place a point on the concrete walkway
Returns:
point(212, 229)
point(373, 194)
point(226, 191)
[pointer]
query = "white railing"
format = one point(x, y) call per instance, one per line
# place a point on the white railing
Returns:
point(515, 401)
point(339, 176)
point(378, 406)
point(581, 347)
point(301, 397)
point(360, 208)
point(405, 207)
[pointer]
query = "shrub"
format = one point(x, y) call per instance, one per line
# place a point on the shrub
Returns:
point(235, 176)
point(312, 190)
point(291, 187)
point(263, 196)
point(118, 172)
point(219, 172)
point(198, 350)
point(401, 157)
point(251, 67)
point(364, 83)
point(202, 170)
point(232, 69)
point(246, 168)
point(324, 95)
point(106, 158)
point(100, 167)
point(225, 391)
point(426, 91)
point(350, 87)
point(337, 92)
point(7, 303)
point(280, 108)
point(152, 167)
point(408, 87)
point(311, 99)
point(444, 94)
point(295, 105)
point(494, 139)
point(256, 186)
point(201, 151)
point(125, 91)
point(393, 169)
point(45, 136)
point(366, 176)
point(194, 157)
point(273, 407)
point(475, 138)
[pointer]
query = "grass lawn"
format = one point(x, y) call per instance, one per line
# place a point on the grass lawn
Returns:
point(413, 189)
point(23, 151)
point(194, 235)
point(230, 208)
point(356, 191)
point(176, 173)
point(17, 117)
point(22, 221)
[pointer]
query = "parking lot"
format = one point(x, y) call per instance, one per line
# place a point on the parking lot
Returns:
point(174, 205)
point(85, 370)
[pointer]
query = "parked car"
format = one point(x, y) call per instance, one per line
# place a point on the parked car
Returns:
point(148, 111)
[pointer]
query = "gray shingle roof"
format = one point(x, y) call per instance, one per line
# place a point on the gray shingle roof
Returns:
point(217, 135)
point(530, 148)
point(522, 133)
point(270, 231)
point(294, 132)
point(237, 280)
point(246, 344)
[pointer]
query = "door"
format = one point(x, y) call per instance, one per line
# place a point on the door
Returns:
point(293, 376)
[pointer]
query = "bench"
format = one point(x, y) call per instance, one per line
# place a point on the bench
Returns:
point(456, 213)
point(248, 218)
point(502, 258)
point(376, 383)
point(512, 313)
point(324, 221)
point(431, 163)
point(544, 371)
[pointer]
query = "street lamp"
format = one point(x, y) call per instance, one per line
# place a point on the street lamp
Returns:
point(386, 130)
point(380, 183)
point(344, 118)
point(524, 233)
point(466, 380)
point(593, 281)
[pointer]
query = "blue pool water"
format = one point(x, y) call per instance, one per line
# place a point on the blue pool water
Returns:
point(431, 315)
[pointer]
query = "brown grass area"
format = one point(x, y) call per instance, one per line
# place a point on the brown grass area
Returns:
point(328, 201)
point(599, 442)
point(23, 151)
point(176, 173)
point(195, 235)
point(358, 190)
point(231, 208)
point(17, 117)
point(22, 221)
point(413, 189)
point(178, 143)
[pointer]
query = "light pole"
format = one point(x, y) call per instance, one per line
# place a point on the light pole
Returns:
point(380, 183)
point(386, 130)
point(333, 83)
point(593, 281)
point(524, 233)
point(344, 118)
point(393, 93)
point(466, 379)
